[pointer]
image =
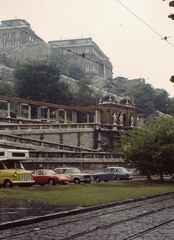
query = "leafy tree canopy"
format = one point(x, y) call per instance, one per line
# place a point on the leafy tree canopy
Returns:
point(150, 148)
point(6, 89)
point(172, 79)
point(39, 81)
point(143, 95)
point(76, 72)
point(85, 95)
point(148, 100)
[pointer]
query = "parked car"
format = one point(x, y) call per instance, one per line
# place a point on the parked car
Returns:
point(113, 173)
point(12, 172)
point(48, 176)
point(76, 176)
point(64, 178)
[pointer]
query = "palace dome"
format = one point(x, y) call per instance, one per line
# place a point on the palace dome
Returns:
point(125, 100)
point(108, 97)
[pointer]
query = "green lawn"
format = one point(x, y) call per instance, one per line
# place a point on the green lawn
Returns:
point(89, 194)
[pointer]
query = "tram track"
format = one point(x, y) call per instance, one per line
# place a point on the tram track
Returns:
point(85, 225)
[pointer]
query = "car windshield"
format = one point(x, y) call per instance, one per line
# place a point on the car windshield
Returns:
point(13, 165)
point(74, 170)
point(49, 172)
point(124, 170)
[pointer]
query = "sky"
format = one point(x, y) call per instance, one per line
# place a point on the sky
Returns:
point(130, 32)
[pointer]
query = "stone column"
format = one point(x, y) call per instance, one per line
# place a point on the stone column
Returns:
point(19, 107)
point(48, 114)
point(97, 116)
point(74, 116)
point(29, 112)
point(87, 117)
point(57, 115)
point(65, 116)
point(39, 113)
point(8, 110)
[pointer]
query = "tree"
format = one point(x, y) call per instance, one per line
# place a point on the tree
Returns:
point(150, 148)
point(39, 81)
point(6, 89)
point(76, 72)
point(85, 95)
point(161, 100)
point(143, 96)
point(172, 79)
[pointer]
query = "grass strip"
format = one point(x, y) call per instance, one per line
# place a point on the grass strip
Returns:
point(86, 195)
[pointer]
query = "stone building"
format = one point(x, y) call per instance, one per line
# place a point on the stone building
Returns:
point(87, 54)
point(16, 32)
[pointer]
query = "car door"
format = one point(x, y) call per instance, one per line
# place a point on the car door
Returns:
point(39, 177)
point(108, 175)
point(119, 174)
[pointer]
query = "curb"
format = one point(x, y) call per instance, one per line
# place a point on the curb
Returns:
point(22, 222)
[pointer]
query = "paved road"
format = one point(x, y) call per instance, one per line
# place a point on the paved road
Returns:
point(151, 219)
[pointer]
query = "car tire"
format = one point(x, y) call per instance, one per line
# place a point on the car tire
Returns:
point(7, 184)
point(76, 181)
point(117, 179)
point(51, 182)
point(97, 179)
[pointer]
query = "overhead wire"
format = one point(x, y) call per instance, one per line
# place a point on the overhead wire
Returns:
point(83, 55)
point(165, 38)
point(69, 50)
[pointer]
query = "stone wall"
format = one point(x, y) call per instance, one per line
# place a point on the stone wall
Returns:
point(22, 53)
point(84, 138)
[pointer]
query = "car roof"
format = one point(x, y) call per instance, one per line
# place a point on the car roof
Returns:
point(114, 167)
point(42, 169)
point(65, 168)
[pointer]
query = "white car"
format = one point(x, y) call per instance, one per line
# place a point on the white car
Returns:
point(76, 176)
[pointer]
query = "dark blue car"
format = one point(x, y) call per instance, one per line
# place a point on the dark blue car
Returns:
point(113, 173)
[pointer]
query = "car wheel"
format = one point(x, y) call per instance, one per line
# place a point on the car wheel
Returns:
point(117, 179)
point(77, 181)
point(97, 179)
point(51, 182)
point(7, 184)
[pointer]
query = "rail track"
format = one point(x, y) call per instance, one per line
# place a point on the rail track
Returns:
point(151, 218)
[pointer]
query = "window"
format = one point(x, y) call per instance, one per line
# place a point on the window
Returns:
point(8, 44)
point(87, 67)
point(1, 166)
point(79, 50)
point(17, 35)
point(17, 43)
point(8, 35)
point(86, 50)
point(18, 154)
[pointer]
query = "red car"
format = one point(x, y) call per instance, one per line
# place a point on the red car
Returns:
point(64, 178)
point(48, 176)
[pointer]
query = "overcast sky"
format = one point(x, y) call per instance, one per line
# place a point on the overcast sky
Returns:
point(129, 32)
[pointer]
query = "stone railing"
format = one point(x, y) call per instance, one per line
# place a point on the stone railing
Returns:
point(29, 143)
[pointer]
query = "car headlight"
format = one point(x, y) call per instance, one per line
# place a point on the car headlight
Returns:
point(15, 174)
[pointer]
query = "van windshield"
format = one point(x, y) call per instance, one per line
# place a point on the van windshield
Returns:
point(13, 165)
